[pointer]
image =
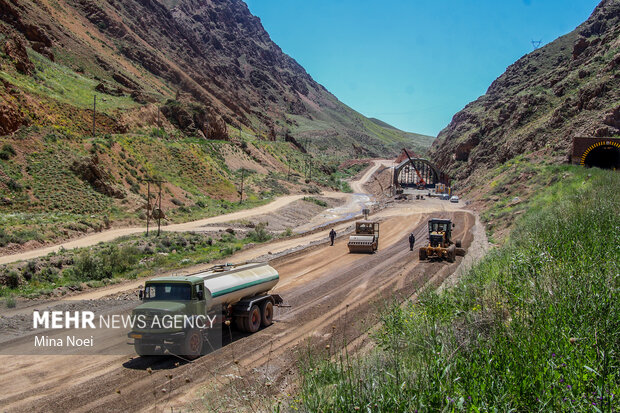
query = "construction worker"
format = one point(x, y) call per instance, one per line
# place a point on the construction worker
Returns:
point(411, 241)
point(332, 236)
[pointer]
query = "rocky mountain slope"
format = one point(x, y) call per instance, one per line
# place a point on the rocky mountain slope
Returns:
point(570, 87)
point(212, 56)
point(192, 92)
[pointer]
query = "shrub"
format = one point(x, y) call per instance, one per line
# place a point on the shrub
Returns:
point(259, 233)
point(48, 275)
point(287, 232)
point(106, 263)
point(7, 152)
point(316, 201)
point(13, 185)
point(13, 279)
point(29, 270)
point(5, 238)
point(10, 302)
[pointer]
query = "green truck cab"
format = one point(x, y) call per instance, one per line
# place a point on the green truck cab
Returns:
point(164, 318)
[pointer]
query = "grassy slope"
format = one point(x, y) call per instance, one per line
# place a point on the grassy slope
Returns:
point(58, 82)
point(533, 327)
point(334, 128)
point(422, 143)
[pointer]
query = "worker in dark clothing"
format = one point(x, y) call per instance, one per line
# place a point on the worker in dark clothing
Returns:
point(332, 236)
point(411, 241)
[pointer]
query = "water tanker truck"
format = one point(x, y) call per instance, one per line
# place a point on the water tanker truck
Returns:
point(177, 313)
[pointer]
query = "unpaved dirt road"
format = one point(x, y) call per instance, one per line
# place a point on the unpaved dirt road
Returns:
point(333, 296)
point(358, 185)
point(106, 236)
point(352, 206)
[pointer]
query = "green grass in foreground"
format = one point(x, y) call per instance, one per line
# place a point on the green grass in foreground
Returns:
point(535, 326)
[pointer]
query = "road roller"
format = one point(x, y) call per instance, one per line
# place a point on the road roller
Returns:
point(366, 238)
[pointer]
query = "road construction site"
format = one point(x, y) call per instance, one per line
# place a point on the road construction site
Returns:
point(332, 298)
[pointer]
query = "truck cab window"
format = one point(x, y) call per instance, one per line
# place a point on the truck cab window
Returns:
point(167, 291)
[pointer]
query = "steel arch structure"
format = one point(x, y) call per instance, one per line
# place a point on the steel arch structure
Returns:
point(406, 176)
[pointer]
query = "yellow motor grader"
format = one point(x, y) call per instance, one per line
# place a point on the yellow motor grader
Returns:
point(440, 244)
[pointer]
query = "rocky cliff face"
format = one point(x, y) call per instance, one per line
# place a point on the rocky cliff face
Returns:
point(210, 53)
point(570, 87)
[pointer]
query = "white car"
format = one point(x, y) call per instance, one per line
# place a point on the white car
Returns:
point(454, 199)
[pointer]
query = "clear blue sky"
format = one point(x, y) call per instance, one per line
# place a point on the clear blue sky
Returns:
point(413, 63)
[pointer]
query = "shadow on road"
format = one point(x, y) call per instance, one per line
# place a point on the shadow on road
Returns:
point(170, 361)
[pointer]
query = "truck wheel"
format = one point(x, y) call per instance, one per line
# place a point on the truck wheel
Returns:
point(451, 253)
point(457, 243)
point(252, 322)
point(460, 252)
point(266, 311)
point(143, 349)
point(192, 345)
point(240, 323)
point(422, 254)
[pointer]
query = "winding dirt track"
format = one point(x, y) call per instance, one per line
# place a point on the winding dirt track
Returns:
point(351, 206)
point(109, 235)
point(332, 296)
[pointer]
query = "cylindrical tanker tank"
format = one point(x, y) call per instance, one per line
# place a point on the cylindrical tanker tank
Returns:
point(229, 284)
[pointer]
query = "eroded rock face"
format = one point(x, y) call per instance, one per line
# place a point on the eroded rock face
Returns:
point(581, 45)
point(11, 118)
point(15, 49)
point(89, 170)
point(215, 51)
point(544, 99)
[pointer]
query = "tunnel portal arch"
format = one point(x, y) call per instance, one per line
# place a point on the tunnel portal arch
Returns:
point(604, 155)
point(405, 174)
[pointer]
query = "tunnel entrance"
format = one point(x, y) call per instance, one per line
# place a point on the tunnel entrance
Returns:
point(605, 156)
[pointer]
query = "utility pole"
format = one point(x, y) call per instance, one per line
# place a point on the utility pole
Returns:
point(160, 213)
point(158, 122)
point(156, 213)
point(306, 169)
point(241, 191)
point(94, 112)
point(288, 178)
point(148, 206)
